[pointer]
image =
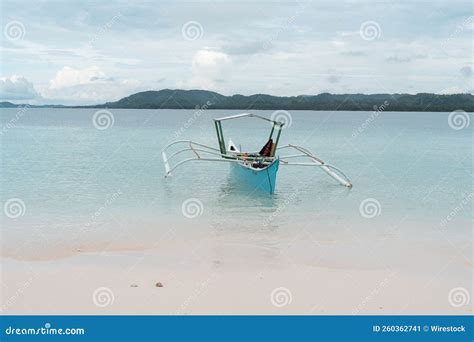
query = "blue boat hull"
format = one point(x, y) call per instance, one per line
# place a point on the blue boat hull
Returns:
point(261, 179)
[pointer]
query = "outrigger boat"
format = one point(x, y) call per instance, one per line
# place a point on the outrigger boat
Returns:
point(257, 169)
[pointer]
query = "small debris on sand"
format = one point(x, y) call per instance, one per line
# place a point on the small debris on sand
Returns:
point(158, 284)
point(134, 285)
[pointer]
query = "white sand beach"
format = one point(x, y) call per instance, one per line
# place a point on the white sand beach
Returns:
point(236, 279)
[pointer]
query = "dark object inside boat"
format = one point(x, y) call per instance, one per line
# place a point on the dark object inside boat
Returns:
point(266, 150)
point(259, 165)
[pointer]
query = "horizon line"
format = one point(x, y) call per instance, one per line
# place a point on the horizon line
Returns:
point(27, 101)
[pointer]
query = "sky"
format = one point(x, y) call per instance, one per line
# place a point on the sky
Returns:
point(89, 52)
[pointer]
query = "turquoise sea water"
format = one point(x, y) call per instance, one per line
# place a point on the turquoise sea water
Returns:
point(89, 189)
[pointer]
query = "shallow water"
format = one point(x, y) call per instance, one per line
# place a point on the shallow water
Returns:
point(90, 189)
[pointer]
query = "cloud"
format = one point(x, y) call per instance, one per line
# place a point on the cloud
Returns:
point(207, 68)
point(354, 53)
point(333, 79)
point(404, 58)
point(17, 88)
point(466, 71)
point(93, 93)
point(69, 77)
point(338, 43)
point(87, 86)
point(333, 76)
point(247, 48)
point(209, 61)
point(398, 59)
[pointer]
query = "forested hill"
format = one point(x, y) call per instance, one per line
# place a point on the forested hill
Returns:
point(191, 99)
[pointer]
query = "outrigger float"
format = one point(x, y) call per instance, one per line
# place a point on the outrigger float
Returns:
point(256, 169)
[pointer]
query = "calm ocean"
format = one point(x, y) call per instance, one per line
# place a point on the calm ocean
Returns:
point(78, 187)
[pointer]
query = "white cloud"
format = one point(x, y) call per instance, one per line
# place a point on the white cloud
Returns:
point(208, 61)
point(69, 77)
point(87, 86)
point(16, 88)
point(208, 68)
point(92, 93)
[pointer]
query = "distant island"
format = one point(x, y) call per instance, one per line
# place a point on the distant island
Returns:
point(192, 99)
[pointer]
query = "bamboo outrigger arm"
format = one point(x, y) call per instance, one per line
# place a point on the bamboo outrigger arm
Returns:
point(169, 168)
point(331, 170)
point(191, 146)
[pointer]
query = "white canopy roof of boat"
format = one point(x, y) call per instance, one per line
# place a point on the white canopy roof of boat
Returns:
point(248, 115)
